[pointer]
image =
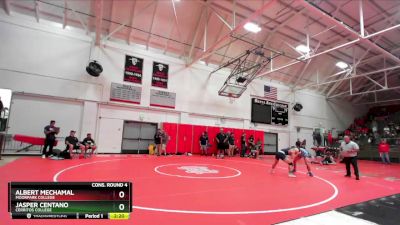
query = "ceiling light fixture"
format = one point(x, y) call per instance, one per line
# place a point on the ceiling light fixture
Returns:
point(303, 49)
point(342, 65)
point(252, 27)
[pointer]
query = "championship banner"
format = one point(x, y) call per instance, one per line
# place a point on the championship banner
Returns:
point(160, 75)
point(125, 93)
point(162, 99)
point(133, 71)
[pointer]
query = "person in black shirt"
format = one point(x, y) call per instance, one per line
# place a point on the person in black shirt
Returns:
point(287, 155)
point(89, 143)
point(222, 143)
point(157, 141)
point(160, 139)
point(231, 141)
point(252, 144)
point(1, 117)
point(72, 143)
point(257, 148)
point(50, 131)
point(244, 145)
point(298, 143)
point(1, 106)
point(303, 144)
point(318, 138)
point(164, 142)
point(203, 143)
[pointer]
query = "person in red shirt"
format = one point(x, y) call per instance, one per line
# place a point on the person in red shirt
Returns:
point(330, 139)
point(383, 149)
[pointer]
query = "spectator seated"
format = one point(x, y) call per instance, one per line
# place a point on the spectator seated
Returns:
point(74, 149)
point(89, 146)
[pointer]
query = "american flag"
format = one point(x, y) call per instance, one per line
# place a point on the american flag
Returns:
point(270, 92)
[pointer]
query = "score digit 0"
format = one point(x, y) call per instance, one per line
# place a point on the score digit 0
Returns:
point(121, 194)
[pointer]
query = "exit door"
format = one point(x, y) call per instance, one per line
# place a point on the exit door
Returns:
point(137, 137)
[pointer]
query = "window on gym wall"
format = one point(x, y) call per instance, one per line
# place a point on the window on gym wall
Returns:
point(137, 137)
point(270, 143)
point(28, 116)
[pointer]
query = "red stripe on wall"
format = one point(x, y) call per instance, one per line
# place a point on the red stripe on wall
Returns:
point(122, 100)
point(164, 106)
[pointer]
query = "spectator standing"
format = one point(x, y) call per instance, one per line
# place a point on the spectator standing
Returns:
point(1, 117)
point(303, 144)
point(164, 141)
point(231, 141)
point(383, 149)
point(50, 131)
point(257, 149)
point(243, 142)
point(203, 143)
point(222, 143)
point(318, 138)
point(298, 143)
point(1, 106)
point(314, 135)
point(157, 141)
point(252, 144)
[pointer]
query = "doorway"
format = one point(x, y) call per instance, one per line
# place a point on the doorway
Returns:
point(137, 137)
point(270, 143)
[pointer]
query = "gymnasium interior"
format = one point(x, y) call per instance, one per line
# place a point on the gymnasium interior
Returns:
point(192, 112)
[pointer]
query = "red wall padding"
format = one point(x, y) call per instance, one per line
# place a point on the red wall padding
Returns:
point(238, 136)
point(212, 132)
point(185, 137)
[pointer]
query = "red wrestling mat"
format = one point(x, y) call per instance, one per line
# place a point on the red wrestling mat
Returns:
point(202, 190)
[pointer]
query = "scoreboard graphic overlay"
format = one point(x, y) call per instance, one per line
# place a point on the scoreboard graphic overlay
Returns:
point(70, 200)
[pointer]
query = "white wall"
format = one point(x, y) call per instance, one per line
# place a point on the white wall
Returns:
point(41, 59)
point(5, 95)
point(30, 114)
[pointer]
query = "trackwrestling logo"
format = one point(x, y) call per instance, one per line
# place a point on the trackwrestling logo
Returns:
point(197, 169)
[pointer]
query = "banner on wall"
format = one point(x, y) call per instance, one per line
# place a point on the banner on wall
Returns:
point(133, 71)
point(160, 75)
point(125, 93)
point(163, 99)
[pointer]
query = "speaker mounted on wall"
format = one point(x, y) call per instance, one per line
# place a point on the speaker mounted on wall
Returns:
point(94, 68)
point(297, 107)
